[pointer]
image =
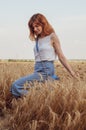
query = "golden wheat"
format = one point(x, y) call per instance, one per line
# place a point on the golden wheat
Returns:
point(57, 105)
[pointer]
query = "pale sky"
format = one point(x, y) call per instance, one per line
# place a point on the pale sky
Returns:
point(68, 18)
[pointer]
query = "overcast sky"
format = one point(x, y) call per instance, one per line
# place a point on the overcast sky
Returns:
point(68, 18)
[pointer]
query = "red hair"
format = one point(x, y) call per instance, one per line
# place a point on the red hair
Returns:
point(42, 21)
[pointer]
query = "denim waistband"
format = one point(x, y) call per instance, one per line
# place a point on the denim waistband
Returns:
point(45, 61)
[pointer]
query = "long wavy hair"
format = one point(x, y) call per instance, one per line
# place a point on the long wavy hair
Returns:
point(43, 22)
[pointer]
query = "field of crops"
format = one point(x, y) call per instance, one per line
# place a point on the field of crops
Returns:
point(57, 105)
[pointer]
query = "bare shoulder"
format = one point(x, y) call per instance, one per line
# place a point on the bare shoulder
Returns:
point(54, 38)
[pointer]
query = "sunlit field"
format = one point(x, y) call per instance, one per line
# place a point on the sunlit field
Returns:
point(53, 105)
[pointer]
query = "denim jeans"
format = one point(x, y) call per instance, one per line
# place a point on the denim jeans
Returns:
point(42, 71)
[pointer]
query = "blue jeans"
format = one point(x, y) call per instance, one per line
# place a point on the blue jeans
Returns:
point(42, 71)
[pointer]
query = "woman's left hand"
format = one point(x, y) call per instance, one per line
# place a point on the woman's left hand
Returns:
point(75, 75)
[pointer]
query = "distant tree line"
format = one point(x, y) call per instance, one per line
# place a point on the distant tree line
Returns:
point(16, 60)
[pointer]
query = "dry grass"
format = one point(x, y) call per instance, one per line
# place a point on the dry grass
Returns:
point(60, 105)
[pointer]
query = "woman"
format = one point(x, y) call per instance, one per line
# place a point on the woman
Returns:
point(46, 49)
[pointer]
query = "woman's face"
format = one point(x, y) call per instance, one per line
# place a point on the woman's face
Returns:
point(37, 29)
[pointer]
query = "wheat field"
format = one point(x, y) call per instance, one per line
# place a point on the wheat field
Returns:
point(57, 105)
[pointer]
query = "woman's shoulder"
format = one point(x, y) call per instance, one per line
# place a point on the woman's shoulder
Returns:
point(53, 36)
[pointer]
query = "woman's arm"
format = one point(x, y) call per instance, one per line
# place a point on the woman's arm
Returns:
point(62, 58)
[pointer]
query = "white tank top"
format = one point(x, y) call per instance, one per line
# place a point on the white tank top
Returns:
point(46, 50)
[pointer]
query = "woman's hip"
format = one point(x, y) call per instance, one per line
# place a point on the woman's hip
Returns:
point(44, 67)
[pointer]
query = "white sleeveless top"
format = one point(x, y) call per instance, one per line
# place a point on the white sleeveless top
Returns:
point(46, 50)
